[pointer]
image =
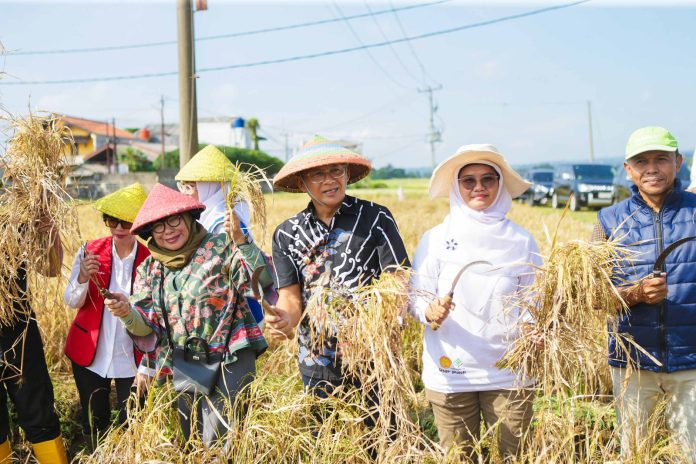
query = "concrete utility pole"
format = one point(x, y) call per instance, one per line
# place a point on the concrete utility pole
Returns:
point(435, 135)
point(287, 148)
point(115, 157)
point(589, 119)
point(188, 115)
point(163, 164)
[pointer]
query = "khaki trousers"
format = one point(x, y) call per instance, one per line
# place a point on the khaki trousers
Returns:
point(636, 398)
point(458, 417)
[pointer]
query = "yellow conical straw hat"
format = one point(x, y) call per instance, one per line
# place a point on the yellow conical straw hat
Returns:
point(208, 165)
point(123, 204)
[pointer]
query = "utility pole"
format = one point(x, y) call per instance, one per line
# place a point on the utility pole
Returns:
point(287, 148)
point(163, 163)
point(435, 135)
point(188, 116)
point(589, 119)
point(115, 157)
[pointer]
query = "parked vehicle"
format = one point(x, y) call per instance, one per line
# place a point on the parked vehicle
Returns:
point(540, 192)
point(622, 182)
point(590, 185)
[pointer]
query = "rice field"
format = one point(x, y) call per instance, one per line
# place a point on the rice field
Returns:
point(277, 422)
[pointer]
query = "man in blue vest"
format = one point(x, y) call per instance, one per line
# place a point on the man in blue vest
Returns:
point(662, 317)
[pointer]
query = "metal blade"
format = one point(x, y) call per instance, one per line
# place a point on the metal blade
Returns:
point(660, 263)
point(461, 271)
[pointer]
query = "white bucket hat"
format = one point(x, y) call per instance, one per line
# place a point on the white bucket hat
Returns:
point(441, 180)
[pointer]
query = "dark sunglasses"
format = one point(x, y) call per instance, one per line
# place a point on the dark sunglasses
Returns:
point(113, 222)
point(487, 181)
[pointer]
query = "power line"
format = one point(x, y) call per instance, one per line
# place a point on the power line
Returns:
point(217, 36)
point(393, 50)
point(367, 50)
point(306, 56)
point(408, 42)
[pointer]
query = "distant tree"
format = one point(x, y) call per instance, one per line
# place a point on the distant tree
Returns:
point(253, 126)
point(136, 160)
point(388, 172)
point(268, 163)
point(132, 130)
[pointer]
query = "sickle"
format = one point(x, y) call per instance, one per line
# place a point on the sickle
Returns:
point(258, 292)
point(659, 267)
point(450, 294)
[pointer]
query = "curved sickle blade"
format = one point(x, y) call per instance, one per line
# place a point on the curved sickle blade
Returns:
point(435, 325)
point(258, 292)
point(461, 271)
point(660, 263)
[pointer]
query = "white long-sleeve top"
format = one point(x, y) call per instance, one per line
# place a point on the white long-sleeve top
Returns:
point(461, 355)
point(114, 357)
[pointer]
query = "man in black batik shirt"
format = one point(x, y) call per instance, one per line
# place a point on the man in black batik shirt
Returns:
point(338, 242)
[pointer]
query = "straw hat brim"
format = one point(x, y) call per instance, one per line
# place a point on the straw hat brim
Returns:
point(124, 203)
point(287, 178)
point(162, 202)
point(441, 180)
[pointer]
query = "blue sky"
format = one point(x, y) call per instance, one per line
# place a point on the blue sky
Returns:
point(521, 84)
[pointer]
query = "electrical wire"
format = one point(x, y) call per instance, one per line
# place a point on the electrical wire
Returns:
point(214, 37)
point(305, 56)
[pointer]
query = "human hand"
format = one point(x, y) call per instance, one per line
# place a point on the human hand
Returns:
point(534, 334)
point(142, 383)
point(280, 324)
point(233, 227)
point(89, 266)
point(119, 305)
point(437, 311)
point(653, 290)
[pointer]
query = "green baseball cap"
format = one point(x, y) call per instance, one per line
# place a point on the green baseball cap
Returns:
point(649, 139)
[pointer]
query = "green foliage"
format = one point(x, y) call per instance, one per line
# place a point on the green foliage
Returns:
point(369, 183)
point(388, 172)
point(136, 160)
point(268, 163)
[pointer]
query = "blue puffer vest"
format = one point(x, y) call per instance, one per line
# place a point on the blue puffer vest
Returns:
point(668, 330)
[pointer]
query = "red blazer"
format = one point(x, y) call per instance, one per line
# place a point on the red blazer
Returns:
point(83, 336)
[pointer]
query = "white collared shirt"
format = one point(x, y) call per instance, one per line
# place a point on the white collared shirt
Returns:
point(114, 357)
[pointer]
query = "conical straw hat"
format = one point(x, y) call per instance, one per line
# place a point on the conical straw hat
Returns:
point(317, 153)
point(162, 202)
point(124, 203)
point(208, 165)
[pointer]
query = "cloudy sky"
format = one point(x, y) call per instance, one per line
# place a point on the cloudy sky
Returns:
point(521, 83)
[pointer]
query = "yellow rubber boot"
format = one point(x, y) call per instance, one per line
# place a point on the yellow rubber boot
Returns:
point(50, 452)
point(5, 452)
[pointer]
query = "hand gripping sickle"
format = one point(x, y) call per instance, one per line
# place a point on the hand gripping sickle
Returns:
point(448, 298)
point(257, 289)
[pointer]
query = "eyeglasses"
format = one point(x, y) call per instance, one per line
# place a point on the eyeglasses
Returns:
point(335, 172)
point(171, 221)
point(187, 188)
point(487, 181)
point(113, 223)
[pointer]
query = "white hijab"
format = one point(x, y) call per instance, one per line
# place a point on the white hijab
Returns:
point(213, 196)
point(471, 235)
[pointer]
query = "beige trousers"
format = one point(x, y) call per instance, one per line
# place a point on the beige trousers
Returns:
point(458, 417)
point(636, 398)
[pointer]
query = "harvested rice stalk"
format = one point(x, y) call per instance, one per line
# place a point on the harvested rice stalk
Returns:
point(572, 301)
point(33, 199)
point(246, 186)
point(368, 332)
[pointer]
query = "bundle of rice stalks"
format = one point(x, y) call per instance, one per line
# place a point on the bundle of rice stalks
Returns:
point(34, 209)
point(572, 301)
point(368, 332)
point(246, 186)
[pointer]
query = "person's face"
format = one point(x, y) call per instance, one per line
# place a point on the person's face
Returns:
point(654, 172)
point(188, 188)
point(171, 232)
point(327, 184)
point(120, 230)
point(478, 185)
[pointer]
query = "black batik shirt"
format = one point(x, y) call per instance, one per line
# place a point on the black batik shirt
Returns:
point(361, 242)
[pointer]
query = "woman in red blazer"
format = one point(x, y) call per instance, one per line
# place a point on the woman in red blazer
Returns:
point(98, 346)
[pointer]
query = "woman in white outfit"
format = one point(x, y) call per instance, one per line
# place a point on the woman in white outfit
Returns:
point(481, 320)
